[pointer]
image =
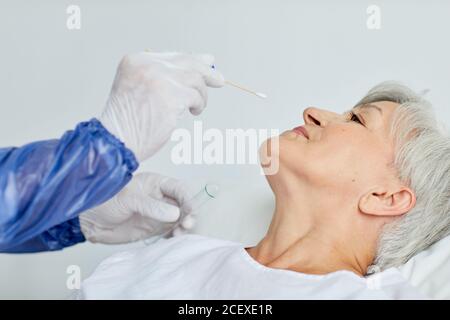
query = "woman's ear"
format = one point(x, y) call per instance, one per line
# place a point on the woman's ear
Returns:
point(382, 202)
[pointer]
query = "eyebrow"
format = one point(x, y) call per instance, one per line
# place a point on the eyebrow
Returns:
point(369, 106)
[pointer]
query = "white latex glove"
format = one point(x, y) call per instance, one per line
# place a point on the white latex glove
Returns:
point(149, 205)
point(151, 91)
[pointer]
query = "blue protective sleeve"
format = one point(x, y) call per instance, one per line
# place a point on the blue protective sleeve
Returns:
point(45, 185)
point(58, 237)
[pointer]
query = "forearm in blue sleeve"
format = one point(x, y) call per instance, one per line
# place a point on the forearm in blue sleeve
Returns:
point(58, 237)
point(47, 183)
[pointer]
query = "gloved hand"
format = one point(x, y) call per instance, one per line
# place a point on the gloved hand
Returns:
point(149, 205)
point(151, 91)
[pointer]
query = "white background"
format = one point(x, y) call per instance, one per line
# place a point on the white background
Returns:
point(300, 53)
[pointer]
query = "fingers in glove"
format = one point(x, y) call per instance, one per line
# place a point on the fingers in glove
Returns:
point(156, 209)
point(188, 222)
point(179, 191)
point(206, 68)
point(196, 103)
point(202, 64)
point(196, 82)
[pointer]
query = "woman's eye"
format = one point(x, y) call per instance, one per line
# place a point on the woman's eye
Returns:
point(355, 118)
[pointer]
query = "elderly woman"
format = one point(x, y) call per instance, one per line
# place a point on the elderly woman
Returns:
point(357, 194)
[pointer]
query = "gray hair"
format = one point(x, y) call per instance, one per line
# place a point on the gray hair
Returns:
point(422, 162)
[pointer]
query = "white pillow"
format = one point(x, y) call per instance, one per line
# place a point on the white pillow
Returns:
point(429, 270)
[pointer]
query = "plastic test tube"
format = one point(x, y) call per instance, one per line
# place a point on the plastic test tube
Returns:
point(208, 192)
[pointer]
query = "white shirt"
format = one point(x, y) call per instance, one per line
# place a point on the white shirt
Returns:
point(196, 267)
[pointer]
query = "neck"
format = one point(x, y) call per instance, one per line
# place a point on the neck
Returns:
point(297, 240)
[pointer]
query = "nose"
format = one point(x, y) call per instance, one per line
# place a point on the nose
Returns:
point(314, 116)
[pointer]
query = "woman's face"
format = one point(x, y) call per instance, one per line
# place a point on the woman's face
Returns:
point(344, 153)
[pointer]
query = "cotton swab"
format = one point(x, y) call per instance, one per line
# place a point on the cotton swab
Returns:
point(258, 94)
